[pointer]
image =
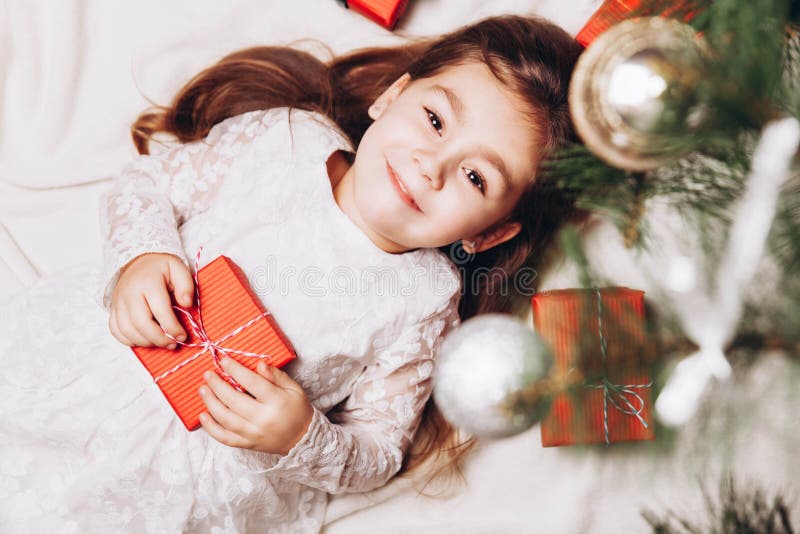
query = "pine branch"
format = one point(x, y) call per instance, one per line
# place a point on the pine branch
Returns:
point(754, 77)
point(747, 511)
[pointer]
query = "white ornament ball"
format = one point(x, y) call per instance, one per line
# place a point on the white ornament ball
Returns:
point(481, 369)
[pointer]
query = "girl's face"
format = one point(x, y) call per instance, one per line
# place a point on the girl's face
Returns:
point(446, 158)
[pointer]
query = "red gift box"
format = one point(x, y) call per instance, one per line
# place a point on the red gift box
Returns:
point(227, 318)
point(599, 335)
point(612, 12)
point(609, 13)
point(384, 12)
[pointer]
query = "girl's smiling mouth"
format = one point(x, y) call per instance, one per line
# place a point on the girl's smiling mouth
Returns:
point(401, 189)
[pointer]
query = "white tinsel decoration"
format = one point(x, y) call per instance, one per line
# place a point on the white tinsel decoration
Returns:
point(712, 325)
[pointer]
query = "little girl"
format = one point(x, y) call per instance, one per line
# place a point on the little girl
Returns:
point(360, 197)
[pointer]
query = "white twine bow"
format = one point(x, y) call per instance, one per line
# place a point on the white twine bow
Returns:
point(206, 343)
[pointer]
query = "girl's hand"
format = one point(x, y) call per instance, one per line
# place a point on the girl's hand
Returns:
point(273, 422)
point(141, 300)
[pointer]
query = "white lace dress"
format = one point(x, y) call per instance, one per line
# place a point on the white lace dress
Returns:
point(88, 443)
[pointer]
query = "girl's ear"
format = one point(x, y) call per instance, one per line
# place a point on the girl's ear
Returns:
point(492, 238)
point(388, 96)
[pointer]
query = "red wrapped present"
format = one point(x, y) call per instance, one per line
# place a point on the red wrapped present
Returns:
point(384, 12)
point(612, 12)
point(598, 335)
point(226, 319)
point(609, 13)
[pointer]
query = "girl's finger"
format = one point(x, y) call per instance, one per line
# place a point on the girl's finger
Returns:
point(181, 281)
point(129, 329)
point(257, 385)
point(142, 317)
point(161, 306)
point(223, 415)
point(226, 437)
point(112, 326)
point(242, 404)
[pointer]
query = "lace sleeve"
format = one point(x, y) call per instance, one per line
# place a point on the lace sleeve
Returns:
point(360, 445)
point(155, 194)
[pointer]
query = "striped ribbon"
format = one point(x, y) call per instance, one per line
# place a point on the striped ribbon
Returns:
point(615, 392)
point(207, 345)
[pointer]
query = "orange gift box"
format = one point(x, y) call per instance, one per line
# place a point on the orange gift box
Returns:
point(612, 401)
point(227, 305)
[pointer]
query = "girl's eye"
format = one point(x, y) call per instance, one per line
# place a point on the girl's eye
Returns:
point(433, 118)
point(478, 179)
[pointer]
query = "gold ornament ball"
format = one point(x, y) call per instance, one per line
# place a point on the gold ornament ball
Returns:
point(635, 88)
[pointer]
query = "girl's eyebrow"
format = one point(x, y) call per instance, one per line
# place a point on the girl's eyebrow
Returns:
point(457, 106)
point(453, 99)
point(498, 164)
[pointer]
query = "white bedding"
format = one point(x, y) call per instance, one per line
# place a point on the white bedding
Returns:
point(75, 73)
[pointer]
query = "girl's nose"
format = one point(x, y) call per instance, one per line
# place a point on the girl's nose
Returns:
point(430, 167)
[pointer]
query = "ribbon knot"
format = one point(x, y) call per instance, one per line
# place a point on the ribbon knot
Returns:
point(205, 342)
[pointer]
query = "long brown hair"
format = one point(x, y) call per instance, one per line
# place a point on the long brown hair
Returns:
point(530, 56)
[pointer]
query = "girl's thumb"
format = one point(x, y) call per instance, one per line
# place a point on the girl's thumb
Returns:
point(275, 375)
